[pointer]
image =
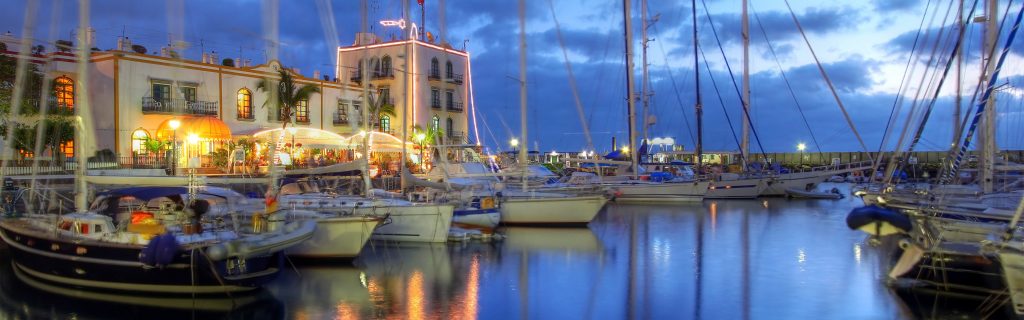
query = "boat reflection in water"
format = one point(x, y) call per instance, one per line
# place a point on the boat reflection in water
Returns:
point(764, 258)
point(23, 297)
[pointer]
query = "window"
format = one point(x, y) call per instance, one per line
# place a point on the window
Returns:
point(375, 65)
point(385, 123)
point(341, 114)
point(162, 92)
point(68, 148)
point(450, 99)
point(245, 104)
point(435, 98)
point(448, 127)
point(139, 138)
point(359, 69)
point(449, 72)
point(435, 123)
point(302, 111)
point(435, 71)
point(189, 93)
point(385, 66)
point(64, 90)
point(385, 95)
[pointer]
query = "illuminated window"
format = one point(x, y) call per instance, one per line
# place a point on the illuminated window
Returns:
point(385, 123)
point(435, 123)
point(139, 138)
point(64, 90)
point(435, 71)
point(245, 104)
point(302, 111)
point(68, 148)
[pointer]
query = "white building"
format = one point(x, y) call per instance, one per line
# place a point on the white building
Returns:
point(424, 81)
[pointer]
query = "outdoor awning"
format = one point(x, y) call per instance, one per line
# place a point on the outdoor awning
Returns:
point(308, 137)
point(207, 128)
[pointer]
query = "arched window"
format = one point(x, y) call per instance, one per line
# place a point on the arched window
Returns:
point(435, 123)
point(385, 66)
point(302, 111)
point(245, 104)
point(448, 127)
point(139, 138)
point(358, 74)
point(375, 66)
point(385, 123)
point(435, 70)
point(64, 91)
point(449, 71)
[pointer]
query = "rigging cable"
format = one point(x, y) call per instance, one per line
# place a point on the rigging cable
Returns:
point(796, 102)
point(572, 78)
point(719, 95)
point(675, 88)
point(733, 77)
point(828, 81)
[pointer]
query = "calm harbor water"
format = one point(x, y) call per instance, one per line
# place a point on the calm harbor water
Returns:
point(734, 259)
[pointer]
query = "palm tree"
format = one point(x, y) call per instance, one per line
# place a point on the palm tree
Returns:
point(379, 107)
point(284, 99)
point(287, 94)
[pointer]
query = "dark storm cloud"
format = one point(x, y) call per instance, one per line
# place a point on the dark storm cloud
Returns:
point(894, 5)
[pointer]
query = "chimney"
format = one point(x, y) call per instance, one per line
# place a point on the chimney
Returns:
point(206, 57)
point(124, 44)
point(248, 62)
point(316, 74)
point(165, 52)
point(90, 36)
point(213, 58)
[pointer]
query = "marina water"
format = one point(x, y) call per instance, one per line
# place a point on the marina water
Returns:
point(730, 259)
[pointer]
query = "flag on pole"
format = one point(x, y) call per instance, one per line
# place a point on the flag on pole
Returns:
point(420, 2)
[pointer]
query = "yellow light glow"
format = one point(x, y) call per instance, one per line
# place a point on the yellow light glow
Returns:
point(175, 124)
point(625, 149)
point(420, 137)
point(514, 142)
point(292, 130)
point(801, 146)
point(193, 138)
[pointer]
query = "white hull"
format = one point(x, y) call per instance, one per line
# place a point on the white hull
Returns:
point(552, 211)
point(736, 189)
point(777, 186)
point(415, 223)
point(659, 192)
point(337, 237)
point(487, 219)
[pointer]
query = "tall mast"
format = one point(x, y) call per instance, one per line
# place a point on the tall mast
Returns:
point(405, 97)
point(523, 166)
point(645, 82)
point(745, 143)
point(959, 73)
point(699, 152)
point(631, 110)
point(987, 137)
point(367, 101)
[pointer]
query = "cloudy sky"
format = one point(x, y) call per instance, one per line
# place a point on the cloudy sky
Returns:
point(864, 46)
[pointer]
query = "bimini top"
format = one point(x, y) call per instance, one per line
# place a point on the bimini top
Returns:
point(144, 193)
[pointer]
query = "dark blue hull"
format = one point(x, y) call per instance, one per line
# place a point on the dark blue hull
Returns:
point(107, 266)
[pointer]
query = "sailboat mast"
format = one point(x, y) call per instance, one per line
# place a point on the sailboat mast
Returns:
point(745, 143)
point(699, 152)
point(367, 101)
point(988, 133)
point(523, 166)
point(959, 62)
point(645, 82)
point(406, 102)
point(631, 110)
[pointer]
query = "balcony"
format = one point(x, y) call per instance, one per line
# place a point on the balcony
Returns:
point(455, 78)
point(389, 100)
point(179, 106)
point(340, 119)
point(435, 103)
point(383, 74)
point(455, 106)
point(434, 76)
point(356, 76)
point(456, 137)
point(32, 106)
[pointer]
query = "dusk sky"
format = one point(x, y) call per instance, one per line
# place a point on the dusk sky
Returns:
point(864, 46)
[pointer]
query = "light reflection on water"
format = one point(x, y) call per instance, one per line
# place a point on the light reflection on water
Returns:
point(772, 258)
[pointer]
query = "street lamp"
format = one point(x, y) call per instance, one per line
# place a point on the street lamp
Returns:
point(174, 124)
point(515, 143)
point(291, 150)
point(800, 147)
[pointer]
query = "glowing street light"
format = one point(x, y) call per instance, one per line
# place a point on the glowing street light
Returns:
point(514, 142)
point(174, 124)
point(625, 149)
point(801, 147)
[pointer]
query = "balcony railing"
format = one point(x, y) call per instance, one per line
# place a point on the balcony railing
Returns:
point(455, 106)
point(179, 106)
point(455, 78)
point(389, 100)
point(340, 119)
point(52, 107)
point(436, 104)
point(356, 76)
point(456, 137)
point(383, 74)
point(434, 76)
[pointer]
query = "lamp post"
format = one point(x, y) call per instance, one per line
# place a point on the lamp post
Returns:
point(291, 150)
point(174, 124)
point(800, 147)
point(514, 143)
